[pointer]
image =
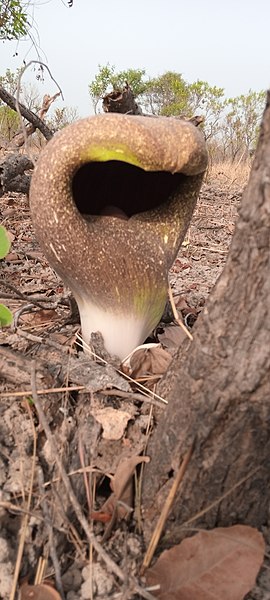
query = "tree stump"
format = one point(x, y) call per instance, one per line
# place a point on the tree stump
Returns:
point(218, 387)
point(12, 174)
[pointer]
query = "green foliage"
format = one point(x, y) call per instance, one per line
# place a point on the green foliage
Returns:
point(230, 126)
point(167, 95)
point(9, 119)
point(9, 122)
point(4, 242)
point(207, 101)
point(107, 79)
point(5, 314)
point(9, 81)
point(242, 121)
point(13, 19)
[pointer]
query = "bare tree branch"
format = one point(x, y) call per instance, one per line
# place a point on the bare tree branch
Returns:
point(27, 114)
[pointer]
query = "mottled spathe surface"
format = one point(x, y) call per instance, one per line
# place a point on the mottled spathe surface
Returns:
point(120, 266)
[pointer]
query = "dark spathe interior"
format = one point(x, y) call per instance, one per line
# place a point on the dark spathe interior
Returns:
point(97, 185)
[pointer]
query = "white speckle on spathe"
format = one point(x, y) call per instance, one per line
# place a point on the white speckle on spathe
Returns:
point(55, 253)
point(64, 247)
point(166, 238)
point(55, 216)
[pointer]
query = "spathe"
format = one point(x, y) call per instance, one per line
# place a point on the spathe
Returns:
point(111, 199)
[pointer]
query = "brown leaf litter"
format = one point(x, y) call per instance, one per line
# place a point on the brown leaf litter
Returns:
point(100, 428)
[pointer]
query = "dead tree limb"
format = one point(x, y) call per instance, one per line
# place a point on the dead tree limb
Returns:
point(218, 386)
point(26, 113)
point(12, 169)
point(121, 101)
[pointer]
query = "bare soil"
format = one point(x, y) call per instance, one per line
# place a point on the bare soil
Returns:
point(38, 518)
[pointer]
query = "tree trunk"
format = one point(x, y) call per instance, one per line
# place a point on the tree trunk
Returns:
point(121, 101)
point(218, 387)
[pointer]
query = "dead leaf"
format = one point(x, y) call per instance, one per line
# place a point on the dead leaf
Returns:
point(98, 515)
point(172, 336)
point(11, 235)
point(121, 484)
point(35, 255)
point(40, 317)
point(145, 360)
point(181, 301)
point(113, 422)
point(125, 472)
point(221, 564)
point(11, 256)
point(41, 591)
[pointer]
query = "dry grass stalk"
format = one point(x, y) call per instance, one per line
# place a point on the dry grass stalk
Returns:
point(229, 173)
point(166, 510)
point(103, 555)
point(25, 518)
point(176, 315)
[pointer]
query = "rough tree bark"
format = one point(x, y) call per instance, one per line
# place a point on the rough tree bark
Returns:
point(12, 174)
point(121, 101)
point(218, 387)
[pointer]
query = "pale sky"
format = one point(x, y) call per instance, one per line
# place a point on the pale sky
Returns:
point(226, 43)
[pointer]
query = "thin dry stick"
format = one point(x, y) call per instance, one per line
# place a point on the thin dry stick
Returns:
point(214, 250)
point(216, 502)
point(139, 480)
point(37, 62)
point(17, 294)
point(85, 478)
point(112, 566)
point(25, 517)
point(18, 509)
point(41, 569)
point(53, 553)
point(132, 396)
point(72, 388)
point(176, 315)
point(40, 340)
point(75, 504)
point(166, 509)
point(87, 469)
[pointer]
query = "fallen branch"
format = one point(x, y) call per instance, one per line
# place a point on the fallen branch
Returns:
point(26, 113)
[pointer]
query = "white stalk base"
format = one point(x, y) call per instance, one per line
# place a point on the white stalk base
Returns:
point(121, 333)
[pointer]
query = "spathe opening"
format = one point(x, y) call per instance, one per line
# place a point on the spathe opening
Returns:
point(98, 185)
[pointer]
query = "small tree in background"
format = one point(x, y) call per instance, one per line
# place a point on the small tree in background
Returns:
point(230, 125)
point(9, 122)
point(208, 101)
point(167, 95)
point(62, 117)
point(241, 123)
point(107, 79)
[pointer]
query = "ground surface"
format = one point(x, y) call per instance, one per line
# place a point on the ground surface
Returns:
point(91, 426)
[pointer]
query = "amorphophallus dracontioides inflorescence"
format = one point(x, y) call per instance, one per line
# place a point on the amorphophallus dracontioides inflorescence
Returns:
point(111, 199)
